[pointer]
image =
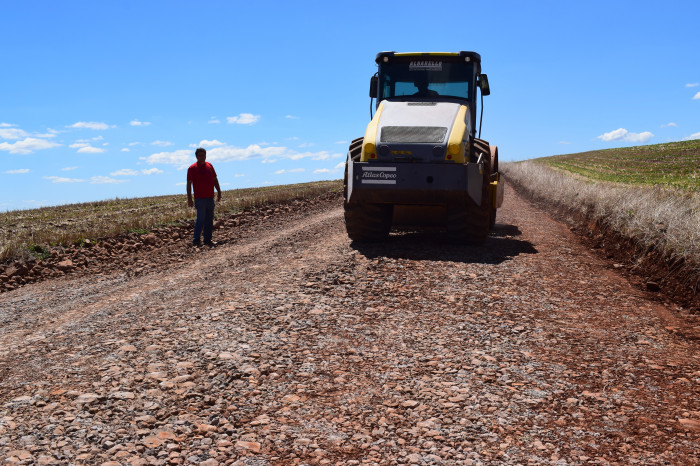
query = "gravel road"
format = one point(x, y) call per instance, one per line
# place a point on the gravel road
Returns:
point(290, 345)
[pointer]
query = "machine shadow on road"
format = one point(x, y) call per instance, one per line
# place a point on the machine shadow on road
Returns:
point(501, 245)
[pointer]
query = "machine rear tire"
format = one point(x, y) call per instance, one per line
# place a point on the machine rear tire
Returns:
point(494, 173)
point(492, 218)
point(469, 222)
point(368, 222)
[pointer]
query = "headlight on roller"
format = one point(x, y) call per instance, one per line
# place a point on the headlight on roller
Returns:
point(370, 151)
point(454, 150)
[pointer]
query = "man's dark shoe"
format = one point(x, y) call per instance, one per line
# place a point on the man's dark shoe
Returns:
point(196, 244)
point(211, 244)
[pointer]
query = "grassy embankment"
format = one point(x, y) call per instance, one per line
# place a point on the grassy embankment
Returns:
point(29, 232)
point(648, 194)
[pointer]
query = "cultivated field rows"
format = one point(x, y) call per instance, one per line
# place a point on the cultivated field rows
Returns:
point(34, 232)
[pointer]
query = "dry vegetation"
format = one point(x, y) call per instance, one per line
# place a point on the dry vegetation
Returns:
point(25, 232)
point(655, 218)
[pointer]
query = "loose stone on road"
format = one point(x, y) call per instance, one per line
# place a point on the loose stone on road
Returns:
point(290, 345)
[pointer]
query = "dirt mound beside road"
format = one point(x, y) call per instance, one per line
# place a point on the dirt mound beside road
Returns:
point(137, 253)
point(289, 345)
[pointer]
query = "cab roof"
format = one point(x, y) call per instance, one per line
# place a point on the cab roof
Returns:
point(473, 56)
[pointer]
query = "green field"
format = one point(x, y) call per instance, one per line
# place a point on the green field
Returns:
point(674, 164)
point(28, 232)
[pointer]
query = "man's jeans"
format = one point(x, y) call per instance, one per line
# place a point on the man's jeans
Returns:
point(205, 218)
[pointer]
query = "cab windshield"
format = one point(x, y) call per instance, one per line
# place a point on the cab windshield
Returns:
point(425, 77)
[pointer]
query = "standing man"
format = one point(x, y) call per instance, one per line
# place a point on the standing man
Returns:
point(203, 176)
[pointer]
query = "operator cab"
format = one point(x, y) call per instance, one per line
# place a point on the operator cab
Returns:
point(429, 77)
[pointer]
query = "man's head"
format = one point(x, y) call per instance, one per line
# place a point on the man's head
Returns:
point(201, 154)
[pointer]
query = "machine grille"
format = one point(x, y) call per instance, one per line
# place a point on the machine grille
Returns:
point(404, 134)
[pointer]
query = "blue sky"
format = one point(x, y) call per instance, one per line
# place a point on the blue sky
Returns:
point(105, 99)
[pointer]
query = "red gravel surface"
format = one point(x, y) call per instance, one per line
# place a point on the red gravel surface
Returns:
point(287, 344)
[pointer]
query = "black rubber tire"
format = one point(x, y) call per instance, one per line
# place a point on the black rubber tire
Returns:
point(354, 153)
point(469, 222)
point(493, 177)
point(368, 222)
point(364, 222)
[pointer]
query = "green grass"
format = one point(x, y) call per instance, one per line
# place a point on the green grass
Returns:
point(670, 165)
point(31, 233)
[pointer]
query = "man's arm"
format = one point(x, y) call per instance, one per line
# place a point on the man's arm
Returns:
point(190, 202)
point(218, 189)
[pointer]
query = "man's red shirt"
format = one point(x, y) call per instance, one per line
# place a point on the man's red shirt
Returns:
point(202, 177)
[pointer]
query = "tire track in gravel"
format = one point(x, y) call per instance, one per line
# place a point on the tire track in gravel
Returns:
point(30, 314)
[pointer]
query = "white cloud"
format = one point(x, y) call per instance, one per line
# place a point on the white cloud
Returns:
point(621, 134)
point(182, 158)
point(151, 171)
point(227, 153)
point(105, 180)
point(692, 136)
point(134, 144)
point(213, 121)
point(60, 179)
point(27, 146)
point(85, 142)
point(692, 85)
point(613, 135)
point(46, 135)
point(125, 149)
point(139, 123)
point(18, 171)
point(124, 172)
point(322, 155)
point(6, 125)
point(90, 150)
point(90, 125)
point(238, 175)
point(243, 119)
point(696, 96)
point(212, 143)
point(336, 169)
point(67, 169)
point(671, 124)
point(162, 143)
point(341, 142)
point(12, 133)
point(292, 170)
point(564, 142)
point(291, 117)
